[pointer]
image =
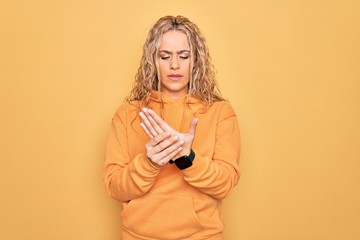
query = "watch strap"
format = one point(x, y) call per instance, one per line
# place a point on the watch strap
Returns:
point(191, 157)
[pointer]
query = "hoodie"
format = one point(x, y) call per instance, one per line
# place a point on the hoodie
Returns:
point(169, 203)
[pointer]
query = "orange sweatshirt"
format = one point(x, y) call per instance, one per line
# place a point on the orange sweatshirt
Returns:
point(168, 203)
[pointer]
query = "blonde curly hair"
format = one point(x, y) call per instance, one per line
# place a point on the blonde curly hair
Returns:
point(202, 83)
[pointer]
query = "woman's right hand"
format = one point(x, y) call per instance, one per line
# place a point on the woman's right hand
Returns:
point(162, 148)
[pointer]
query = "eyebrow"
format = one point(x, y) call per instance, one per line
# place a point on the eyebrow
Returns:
point(178, 52)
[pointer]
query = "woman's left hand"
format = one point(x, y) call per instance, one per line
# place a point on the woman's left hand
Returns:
point(153, 125)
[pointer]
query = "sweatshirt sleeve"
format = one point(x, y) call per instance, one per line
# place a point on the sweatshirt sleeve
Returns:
point(218, 176)
point(125, 178)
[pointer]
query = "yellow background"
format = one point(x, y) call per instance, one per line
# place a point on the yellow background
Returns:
point(290, 68)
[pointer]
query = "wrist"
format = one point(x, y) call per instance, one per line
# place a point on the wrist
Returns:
point(184, 152)
point(184, 161)
point(154, 165)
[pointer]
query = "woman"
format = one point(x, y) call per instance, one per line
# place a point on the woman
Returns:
point(173, 148)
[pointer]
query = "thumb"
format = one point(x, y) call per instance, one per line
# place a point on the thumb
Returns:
point(192, 127)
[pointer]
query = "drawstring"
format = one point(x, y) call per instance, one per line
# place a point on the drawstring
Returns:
point(186, 104)
point(183, 116)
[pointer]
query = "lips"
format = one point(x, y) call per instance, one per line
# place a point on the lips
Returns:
point(175, 76)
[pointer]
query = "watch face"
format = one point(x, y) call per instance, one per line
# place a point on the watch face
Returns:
point(183, 162)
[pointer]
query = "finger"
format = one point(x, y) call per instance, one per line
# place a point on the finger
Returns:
point(147, 124)
point(159, 138)
point(162, 124)
point(153, 123)
point(164, 148)
point(171, 155)
point(168, 154)
point(150, 146)
point(192, 127)
point(146, 130)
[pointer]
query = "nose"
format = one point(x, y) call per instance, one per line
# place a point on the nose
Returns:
point(174, 65)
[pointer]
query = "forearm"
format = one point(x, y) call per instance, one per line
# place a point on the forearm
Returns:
point(213, 177)
point(125, 183)
point(216, 170)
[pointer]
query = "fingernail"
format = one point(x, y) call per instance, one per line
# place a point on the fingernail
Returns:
point(182, 142)
point(168, 133)
point(176, 137)
point(144, 109)
point(141, 114)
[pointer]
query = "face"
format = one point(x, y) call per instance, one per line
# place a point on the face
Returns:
point(174, 64)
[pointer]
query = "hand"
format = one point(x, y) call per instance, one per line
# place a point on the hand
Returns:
point(162, 148)
point(153, 125)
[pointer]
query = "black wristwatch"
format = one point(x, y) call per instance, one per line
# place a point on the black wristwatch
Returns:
point(184, 161)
